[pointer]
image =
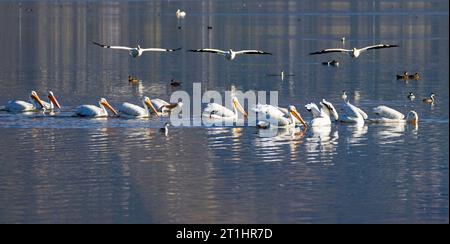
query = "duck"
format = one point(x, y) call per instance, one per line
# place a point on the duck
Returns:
point(331, 63)
point(411, 96)
point(415, 76)
point(165, 129)
point(180, 14)
point(175, 83)
point(344, 95)
point(404, 76)
point(132, 80)
point(429, 99)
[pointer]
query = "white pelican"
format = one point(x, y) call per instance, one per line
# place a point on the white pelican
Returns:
point(52, 102)
point(355, 52)
point(277, 117)
point(429, 99)
point(230, 54)
point(389, 115)
point(217, 111)
point(137, 51)
point(352, 114)
point(180, 14)
point(94, 111)
point(323, 116)
point(411, 96)
point(16, 106)
point(131, 110)
point(163, 108)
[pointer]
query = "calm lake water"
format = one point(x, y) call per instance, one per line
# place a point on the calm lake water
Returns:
point(60, 169)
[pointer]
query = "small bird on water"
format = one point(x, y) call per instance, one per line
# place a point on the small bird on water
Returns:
point(430, 99)
point(132, 80)
point(415, 76)
point(165, 129)
point(331, 63)
point(175, 83)
point(344, 95)
point(404, 76)
point(411, 96)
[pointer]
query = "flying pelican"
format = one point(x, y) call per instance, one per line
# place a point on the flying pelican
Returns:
point(217, 111)
point(131, 110)
point(94, 111)
point(322, 117)
point(163, 108)
point(180, 14)
point(429, 99)
point(411, 96)
point(355, 52)
point(277, 117)
point(389, 115)
point(230, 54)
point(352, 114)
point(16, 106)
point(137, 51)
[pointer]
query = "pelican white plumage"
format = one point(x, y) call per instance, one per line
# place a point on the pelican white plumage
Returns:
point(164, 108)
point(17, 106)
point(230, 54)
point(277, 118)
point(134, 111)
point(52, 102)
point(217, 111)
point(323, 116)
point(352, 114)
point(355, 52)
point(390, 115)
point(136, 51)
point(94, 111)
point(180, 14)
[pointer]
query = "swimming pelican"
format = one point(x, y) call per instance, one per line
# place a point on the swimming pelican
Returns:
point(217, 111)
point(164, 108)
point(323, 116)
point(429, 99)
point(230, 54)
point(352, 114)
point(389, 115)
point(94, 111)
point(411, 96)
point(137, 51)
point(52, 102)
point(355, 52)
point(17, 106)
point(278, 118)
point(131, 110)
point(180, 14)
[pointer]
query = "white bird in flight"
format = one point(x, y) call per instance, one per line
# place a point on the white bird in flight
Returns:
point(355, 52)
point(136, 51)
point(230, 54)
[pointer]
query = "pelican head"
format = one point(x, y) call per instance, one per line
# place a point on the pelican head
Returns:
point(412, 117)
point(105, 103)
point(432, 95)
point(53, 99)
point(149, 104)
point(34, 96)
point(237, 105)
point(293, 111)
point(332, 111)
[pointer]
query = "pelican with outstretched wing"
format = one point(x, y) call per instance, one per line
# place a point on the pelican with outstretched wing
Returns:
point(136, 51)
point(230, 54)
point(354, 52)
